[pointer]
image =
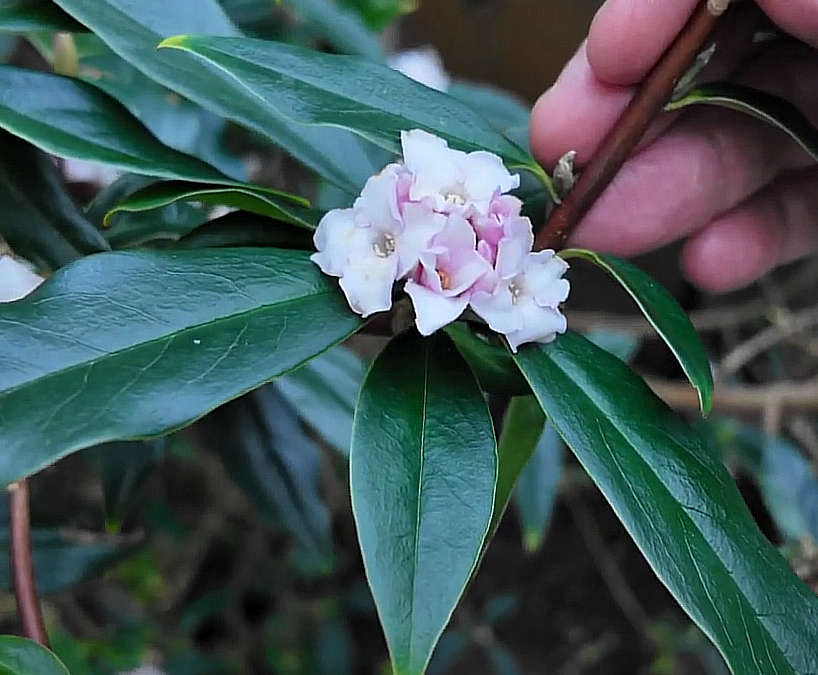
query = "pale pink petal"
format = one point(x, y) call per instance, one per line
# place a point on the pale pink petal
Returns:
point(433, 310)
point(544, 272)
point(421, 224)
point(337, 241)
point(16, 280)
point(487, 176)
point(540, 324)
point(378, 204)
point(497, 309)
point(367, 284)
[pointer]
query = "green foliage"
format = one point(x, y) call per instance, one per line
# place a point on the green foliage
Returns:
point(24, 657)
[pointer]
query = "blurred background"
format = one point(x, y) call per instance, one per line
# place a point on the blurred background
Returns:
point(230, 547)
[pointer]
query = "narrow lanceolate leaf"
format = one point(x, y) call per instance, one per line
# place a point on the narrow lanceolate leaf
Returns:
point(69, 118)
point(768, 108)
point(133, 345)
point(259, 77)
point(664, 314)
point(680, 505)
point(23, 16)
point(523, 426)
point(537, 487)
point(263, 201)
point(19, 656)
point(134, 29)
point(422, 469)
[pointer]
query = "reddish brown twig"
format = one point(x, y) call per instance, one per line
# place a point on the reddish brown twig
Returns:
point(647, 103)
point(22, 567)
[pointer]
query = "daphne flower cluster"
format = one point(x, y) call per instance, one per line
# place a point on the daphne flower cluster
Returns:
point(442, 221)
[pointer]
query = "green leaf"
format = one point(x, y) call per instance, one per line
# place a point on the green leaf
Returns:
point(265, 451)
point(324, 392)
point(680, 505)
point(422, 472)
point(263, 201)
point(259, 79)
point(23, 16)
point(490, 360)
point(134, 345)
point(522, 429)
point(69, 118)
point(768, 108)
point(341, 28)
point(19, 656)
point(64, 558)
point(664, 314)
point(537, 487)
point(133, 30)
point(39, 220)
point(246, 229)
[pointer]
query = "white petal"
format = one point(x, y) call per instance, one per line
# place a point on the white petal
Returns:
point(434, 165)
point(540, 324)
point(497, 310)
point(514, 248)
point(486, 175)
point(543, 271)
point(432, 310)
point(423, 65)
point(377, 206)
point(338, 240)
point(367, 284)
point(16, 280)
point(420, 225)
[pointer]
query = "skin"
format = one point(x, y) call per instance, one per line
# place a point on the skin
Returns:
point(744, 195)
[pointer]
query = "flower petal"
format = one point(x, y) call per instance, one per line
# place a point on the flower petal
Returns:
point(540, 324)
point(378, 204)
point(486, 177)
point(433, 310)
point(338, 240)
point(16, 279)
point(367, 283)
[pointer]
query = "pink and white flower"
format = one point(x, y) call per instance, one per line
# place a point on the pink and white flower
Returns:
point(443, 221)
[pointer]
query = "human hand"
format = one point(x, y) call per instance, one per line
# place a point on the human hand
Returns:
point(746, 195)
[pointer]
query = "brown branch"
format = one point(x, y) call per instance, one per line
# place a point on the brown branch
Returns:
point(646, 105)
point(22, 566)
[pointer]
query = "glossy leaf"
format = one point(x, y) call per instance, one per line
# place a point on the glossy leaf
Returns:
point(522, 429)
point(263, 201)
point(133, 345)
point(69, 118)
point(23, 16)
point(768, 108)
point(65, 558)
point(422, 472)
point(340, 27)
point(246, 229)
point(680, 505)
point(324, 392)
point(537, 487)
point(19, 656)
point(664, 314)
point(258, 77)
point(133, 30)
point(490, 360)
point(267, 454)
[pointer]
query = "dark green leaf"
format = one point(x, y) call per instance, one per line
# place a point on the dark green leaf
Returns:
point(246, 229)
point(65, 558)
point(422, 472)
point(257, 78)
point(134, 345)
point(505, 112)
point(537, 487)
point(265, 451)
point(263, 201)
point(131, 229)
point(490, 360)
point(324, 392)
point(768, 108)
point(522, 429)
point(69, 118)
point(123, 468)
point(341, 28)
point(664, 314)
point(25, 657)
point(22, 16)
point(133, 30)
point(680, 505)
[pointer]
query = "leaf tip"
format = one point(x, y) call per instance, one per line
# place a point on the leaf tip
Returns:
point(173, 42)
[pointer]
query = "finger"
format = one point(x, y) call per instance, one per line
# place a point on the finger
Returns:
point(628, 36)
point(777, 226)
point(797, 17)
point(579, 110)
